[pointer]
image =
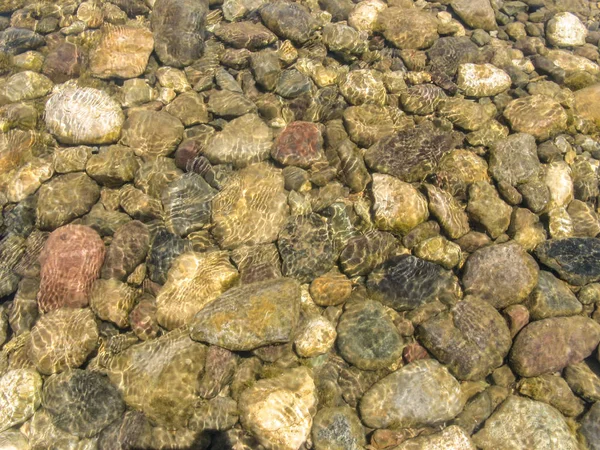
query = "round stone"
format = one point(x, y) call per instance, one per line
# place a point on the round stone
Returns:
point(482, 80)
point(299, 144)
point(538, 115)
point(566, 30)
point(20, 396)
point(315, 337)
point(337, 428)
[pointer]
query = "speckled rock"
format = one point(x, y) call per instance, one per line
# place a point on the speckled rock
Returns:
point(406, 282)
point(127, 250)
point(288, 20)
point(452, 437)
point(521, 423)
point(410, 397)
point(472, 338)
point(81, 402)
point(412, 154)
point(476, 14)
point(337, 428)
point(299, 144)
point(218, 372)
point(330, 289)
point(242, 141)
point(113, 166)
point(25, 85)
point(482, 80)
point(408, 28)
point(538, 115)
point(63, 339)
point(500, 274)
point(20, 396)
point(279, 411)
point(70, 262)
point(514, 160)
point(244, 308)
point(315, 337)
point(363, 86)
point(573, 258)
point(367, 337)
point(193, 281)
point(439, 250)
point(565, 30)
point(63, 62)
point(552, 297)
point(397, 206)
point(590, 427)
point(122, 52)
point(158, 377)
point(178, 29)
point(112, 300)
point(152, 133)
point(83, 116)
point(65, 198)
point(251, 209)
point(551, 344)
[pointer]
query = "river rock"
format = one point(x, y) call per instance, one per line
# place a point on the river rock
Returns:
point(299, 144)
point(152, 133)
point(397, 206)
point(590, 427)
point(25, 85)
point(12, 248)
point(409, 397)
point(242, 141)
point(83, 116)
point(193, 281)
point(583, 381)
point(251, 208)
point(552, 297)
point(252, 36)
point(244, 309)
point(537, 115)
point(476, 14)
point(63, 339)
point(70, 262)
point(486, 207)
point(448, 211)
point(364, 253)
point(81, 402)
point(112, 300)
point(363, 86)
point(408, 28)
point(306, 247)
point(315, 337)
point(367, 337)
point(566, 30)
point(502, 274)
point(165, 247)
point(406, 282)
point(229, 104)
point(586, 103)
point(551, 344)
point(112, 166)
point(367, 123)
point(514, 160)
point(288, 20)
point(127, 250)
point(452, 437)
point(520, 424)
point(122, 52)
point(178, 28)
point(158, 377)
point(279, 411)
point(20, 396)
point(482, 80)
point(472, 338)
point(573, 258)
point(554, 390)
point(337, 428)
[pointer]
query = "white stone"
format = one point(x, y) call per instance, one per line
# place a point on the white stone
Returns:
point(316, 337)
point(364, 15)
point(20, 396)
point(572, 63)
point(482, 80)
point(559, 183)
point(566, 30)
point(279, 411)
point(29, 178)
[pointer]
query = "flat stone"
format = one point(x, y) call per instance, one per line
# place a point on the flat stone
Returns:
point(583, 381)
point(574, 259)
point(288, 21)
point(365, 252)
point(586, 103)
point(230, 104)
point(409, 397)
point(502, 274)
point(113, 166)
point(112, 301)
point(257, 314)
point(520, 424)
point(152, 133)
point(549, 345)
point(514, 160)
point(472, 338)
point(252, 36)
point(553, 390)
point(482, 80)
point(299, 144)
point(538, 115)
point(189, 108)
point(408, 28)
point(22, 86)
point(127, 250)
point(363, 86)
point(452, 437)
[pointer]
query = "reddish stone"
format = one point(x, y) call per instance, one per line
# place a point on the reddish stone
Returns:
point(517, 316)
point(299, 144)
point(413, 352)
point(63, 63)
point(143, 318)
point(70, 262)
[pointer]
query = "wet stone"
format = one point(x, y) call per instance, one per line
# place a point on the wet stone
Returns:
point(514, 160)
point(553, 390)
point(552, 297)
point(81, 402)
point(476, 14)
point(453, 437)
point(583, 381)
point(537, 115)
point(409, 397)
point(448, 212)
point(315, 337)
point(406, 282)
point(63, 339)
point(482, 80)
point(127, 250)
point(288, 20)
point(472, 338)
point(502, 274)
point(590, 427)
point(364, 253)
point(574, 259)
point(363, 87)
point(113, 166)
point(330, 289)
point(132, 431)
point(165, 247)
point(408, 28)
point(244, 308)
point(24, 86)
point(189, 108)
point(486, 207)
point(12, 248)
point(367, 337)
point(20, 396)
point(257, 263)
point(367, 123)
point(112, 300)
point(337, 428)
point(229, 104)
point(423, 99)
point(299, 144)
point(551, 344)
point(151, 133)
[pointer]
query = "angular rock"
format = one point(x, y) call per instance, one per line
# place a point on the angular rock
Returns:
point(549, 345)
point(486, 207)
point(257, 314)
point(410, 397)
point(63, 339)
point(70, 262)
point(574, 259)
point(194, 280)
point(551, 298)
point(472, 338)
point(502, 274)
point(83, 116)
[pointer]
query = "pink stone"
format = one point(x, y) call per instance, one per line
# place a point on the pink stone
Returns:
point(299, 144)
point(70, 262)
point(413, 352)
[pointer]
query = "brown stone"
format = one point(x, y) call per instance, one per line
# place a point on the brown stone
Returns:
point(299, 144)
